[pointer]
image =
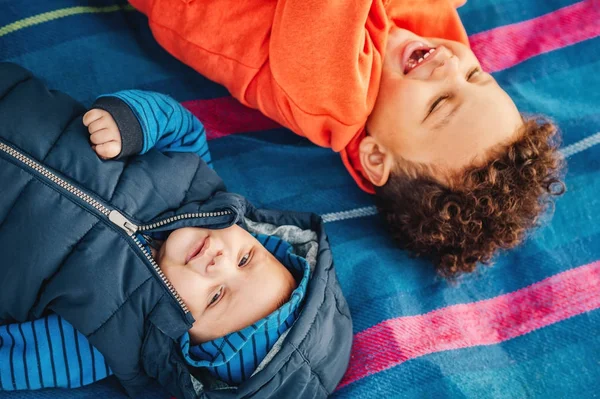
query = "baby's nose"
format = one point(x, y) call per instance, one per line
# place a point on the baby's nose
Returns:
point(217, 257)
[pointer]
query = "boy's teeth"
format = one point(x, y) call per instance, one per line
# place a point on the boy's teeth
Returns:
point(412, 64)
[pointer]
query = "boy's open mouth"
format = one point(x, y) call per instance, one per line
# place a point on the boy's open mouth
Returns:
point(415, 54)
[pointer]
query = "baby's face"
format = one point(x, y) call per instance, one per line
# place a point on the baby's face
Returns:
point(227, 279)
point(442, 111)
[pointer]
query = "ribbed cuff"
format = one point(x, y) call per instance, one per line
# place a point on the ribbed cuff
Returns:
point(132, 136)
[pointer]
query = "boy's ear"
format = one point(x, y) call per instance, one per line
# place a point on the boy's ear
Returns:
point(376, 160)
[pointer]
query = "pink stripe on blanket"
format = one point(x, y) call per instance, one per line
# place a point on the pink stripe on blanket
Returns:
point(508, 45)
point(486, 322)
point(224, 116)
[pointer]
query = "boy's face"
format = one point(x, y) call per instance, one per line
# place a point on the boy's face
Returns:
point(443, 111)
point(227, 279)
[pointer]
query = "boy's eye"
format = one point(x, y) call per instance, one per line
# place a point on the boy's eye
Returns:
point(433, 106)
point(244, 260)
point(473, 72)
point(437, 102)
point(216, 297)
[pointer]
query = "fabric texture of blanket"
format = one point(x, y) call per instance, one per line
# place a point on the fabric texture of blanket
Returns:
point(527, 327)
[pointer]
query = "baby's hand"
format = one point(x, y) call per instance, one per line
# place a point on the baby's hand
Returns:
point(104, 133)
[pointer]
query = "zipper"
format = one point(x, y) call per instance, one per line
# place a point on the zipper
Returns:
point(117, 218)
point(160, 273)
point(54, 178)
point(182, 217)
point(113, 215)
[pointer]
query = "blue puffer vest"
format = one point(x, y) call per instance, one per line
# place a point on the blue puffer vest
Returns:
point(67, 246)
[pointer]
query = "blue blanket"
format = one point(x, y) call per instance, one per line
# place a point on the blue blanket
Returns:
point(527, 327)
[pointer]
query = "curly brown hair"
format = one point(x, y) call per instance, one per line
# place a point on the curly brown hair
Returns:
point(483, 208)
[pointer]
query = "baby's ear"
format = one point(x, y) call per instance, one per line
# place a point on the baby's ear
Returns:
point(376, 160)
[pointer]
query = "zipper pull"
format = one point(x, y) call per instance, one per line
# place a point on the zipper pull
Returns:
point(117, 218)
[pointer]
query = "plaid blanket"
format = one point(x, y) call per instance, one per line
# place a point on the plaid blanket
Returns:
point(527, 327)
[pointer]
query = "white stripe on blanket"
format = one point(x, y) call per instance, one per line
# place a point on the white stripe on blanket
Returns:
point(351, 214)
point(581, 145)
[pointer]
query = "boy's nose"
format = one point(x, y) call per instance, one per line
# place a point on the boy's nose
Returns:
point(448, 67)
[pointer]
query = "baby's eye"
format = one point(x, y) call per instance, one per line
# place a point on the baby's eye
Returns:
point(216, 297)
point(244, 260)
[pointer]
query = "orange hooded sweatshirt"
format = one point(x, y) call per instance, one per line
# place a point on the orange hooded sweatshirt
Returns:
point(311, 65)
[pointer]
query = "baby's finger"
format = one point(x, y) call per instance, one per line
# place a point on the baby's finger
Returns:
point(103, 136)
point(92, 115)
point(108, 150)
point(99, 124)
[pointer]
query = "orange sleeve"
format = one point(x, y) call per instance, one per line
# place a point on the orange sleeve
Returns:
point(311, 65)
point(326, 59)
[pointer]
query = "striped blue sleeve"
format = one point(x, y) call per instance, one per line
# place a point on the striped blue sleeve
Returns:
point(166, 124)
point(47, 353)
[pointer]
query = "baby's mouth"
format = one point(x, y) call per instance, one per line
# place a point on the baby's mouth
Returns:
point(199, 250)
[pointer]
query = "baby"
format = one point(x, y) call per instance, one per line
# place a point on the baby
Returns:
point(144, 264)
point(391, 85)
